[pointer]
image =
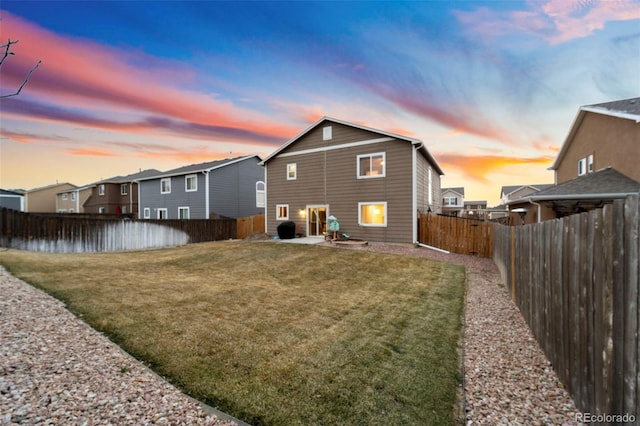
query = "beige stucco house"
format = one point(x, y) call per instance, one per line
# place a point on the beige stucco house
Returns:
point(43, 199)
point(374, 182)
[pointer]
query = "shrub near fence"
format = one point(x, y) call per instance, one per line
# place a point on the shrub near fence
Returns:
point(576, 282)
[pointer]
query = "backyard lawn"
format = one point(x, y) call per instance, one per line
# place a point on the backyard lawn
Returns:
point(277, 334)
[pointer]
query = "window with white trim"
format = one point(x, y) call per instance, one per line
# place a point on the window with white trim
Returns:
point(73, 196)
point(191, 183)
point(590, 163)
point(162, 214)
point(450, 201)
point(372, 213)
point(582, 166)
point(282, 211)
point(123, 189)
point(326, 133)
point(292, 171)
point(101, 210)
point(260, 194)
point(123, 209)
point(165, 186)
point(101, 189)
point(146, 213)
point(65, 196)
point(371, 165)
point(183, 213)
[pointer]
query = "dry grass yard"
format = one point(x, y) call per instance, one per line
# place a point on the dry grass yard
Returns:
point(277, 333)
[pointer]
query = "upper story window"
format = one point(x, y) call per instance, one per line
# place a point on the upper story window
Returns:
point(450, 201)
point(292, 171)
point(64, 196)
point(260, 194)
point(165, 186)
point(191, 183)
point(371, 165)
point(73, 196)
point(582, 166)
point(326, 133)
point(101, 189)
point(123, 189)
point(101, 210)
point(590, 163)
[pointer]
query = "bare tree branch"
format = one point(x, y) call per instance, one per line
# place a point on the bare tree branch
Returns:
point(7, 52)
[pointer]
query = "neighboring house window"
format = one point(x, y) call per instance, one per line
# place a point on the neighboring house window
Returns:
point(282, 212)
point(582, 166)
point(123, 209)
point(191, 183)
point(372, 214)
point(326, 133)
point(165, 186)
point(450, 201)
point(101, 210)
point(64, 196)
point(101, 189)
point(163, 214)
point(147, 213)
point(123, 189)
point(183, 212)
point(292, 171)
point(72, 211)
point(590, 163)
point(61, 210)
point(260, 194)
point(371, 165)
point(73, 196)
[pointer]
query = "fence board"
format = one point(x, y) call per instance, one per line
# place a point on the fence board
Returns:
point(457, 235)
point(576, 282)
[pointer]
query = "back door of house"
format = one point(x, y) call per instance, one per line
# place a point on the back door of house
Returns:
point(316, 220)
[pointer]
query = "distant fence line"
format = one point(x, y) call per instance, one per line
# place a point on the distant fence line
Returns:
point(576, 283)
point(94, 233)
point(457, 235)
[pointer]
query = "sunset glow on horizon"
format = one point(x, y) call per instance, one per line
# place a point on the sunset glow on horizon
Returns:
point(490, 87)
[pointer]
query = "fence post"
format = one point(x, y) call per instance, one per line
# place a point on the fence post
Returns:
point(513, 263)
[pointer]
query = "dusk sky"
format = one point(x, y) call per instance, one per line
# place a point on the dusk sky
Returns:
point(490, 87)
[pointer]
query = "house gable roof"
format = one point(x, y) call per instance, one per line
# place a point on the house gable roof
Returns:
point(457, 190)
point(628, 109)
point(603, 182)
point(196, 168)
point(413, 141)
point(508, 190)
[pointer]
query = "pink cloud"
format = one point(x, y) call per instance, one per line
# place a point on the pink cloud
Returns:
point(83, 74)
point(556, 21)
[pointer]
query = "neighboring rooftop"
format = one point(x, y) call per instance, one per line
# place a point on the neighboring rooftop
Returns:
point(194, 168)
point(626, 108)
point(606, 181)
point(459, 190)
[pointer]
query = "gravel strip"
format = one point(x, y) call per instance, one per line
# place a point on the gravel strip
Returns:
point(56, 370)
point(507, 378)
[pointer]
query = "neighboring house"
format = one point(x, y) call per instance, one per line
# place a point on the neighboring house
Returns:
point(374, 182)
point(581, 194)
point(13, 200)
point(43, 199)
point(116, 195)
point(452, 201)
point(475, 209)
point(72, 200)
point(230, 188)
point(602, 135)
point(516, 192)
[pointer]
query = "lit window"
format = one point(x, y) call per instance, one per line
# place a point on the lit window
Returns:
point(163, 214)
point(292, 171)
point(371, 165)
point(260, 194)
point(123, 189)
point(326, 133)
point(372, 214)
point(582, 166)
point(147, 213)
point(165, 186)
point(191, 183)
point(282, 211)
point(183, 213)
point(101, 189)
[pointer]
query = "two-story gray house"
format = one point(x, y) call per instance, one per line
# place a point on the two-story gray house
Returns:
point(230, 188)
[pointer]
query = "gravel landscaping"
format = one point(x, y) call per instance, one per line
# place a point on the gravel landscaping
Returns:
point(54, 369)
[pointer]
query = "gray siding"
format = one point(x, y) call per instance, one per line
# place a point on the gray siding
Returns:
point(233, 189)
point(329, 177)
point(151, 197)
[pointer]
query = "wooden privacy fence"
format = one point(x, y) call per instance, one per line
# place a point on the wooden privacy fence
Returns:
point(249, 225)
point(457, 235)
point(80, 233)
point(575, 281)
